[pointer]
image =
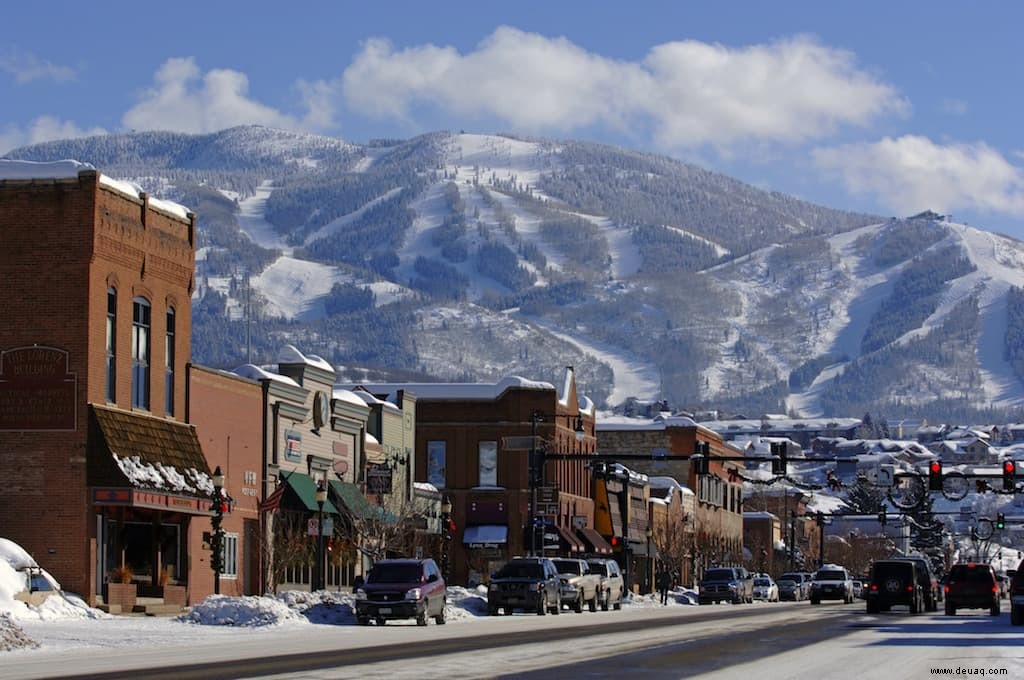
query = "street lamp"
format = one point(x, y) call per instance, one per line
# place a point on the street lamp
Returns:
point(321, 498)
point(650, 562)
point(446, 535)
point(217, 537)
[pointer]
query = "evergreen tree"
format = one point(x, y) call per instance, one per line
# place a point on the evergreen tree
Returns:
point(865, 498)
point(926, 533)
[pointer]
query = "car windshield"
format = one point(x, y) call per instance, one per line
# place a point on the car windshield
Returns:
point(762, 582)
point(520, 570)
point(785, 583)
point(830, 576)
point(568, 567)
point(795, 578)
point(395, 573)
point(718, 575)
point(598, 568)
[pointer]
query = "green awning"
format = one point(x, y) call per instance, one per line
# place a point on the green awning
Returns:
point(355, 502)
point(305, 488)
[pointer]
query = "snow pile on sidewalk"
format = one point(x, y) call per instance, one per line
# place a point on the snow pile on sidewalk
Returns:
point(321, 607)
point(12, 636)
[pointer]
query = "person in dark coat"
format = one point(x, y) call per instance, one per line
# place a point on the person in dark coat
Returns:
point(664, 580)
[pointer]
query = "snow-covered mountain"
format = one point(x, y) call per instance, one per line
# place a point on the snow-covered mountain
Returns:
point(466, 257)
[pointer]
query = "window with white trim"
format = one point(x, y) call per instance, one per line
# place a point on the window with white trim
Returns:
point(230, 556)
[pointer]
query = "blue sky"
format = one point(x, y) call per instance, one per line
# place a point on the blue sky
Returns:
point(882, 107)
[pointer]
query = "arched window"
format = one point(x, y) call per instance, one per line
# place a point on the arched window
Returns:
point(169, 365)
point(141, 325)
point(111, 345)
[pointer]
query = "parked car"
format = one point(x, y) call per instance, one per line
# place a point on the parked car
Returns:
point(766, 589)
point(527, 583)
point(793, 585)
point(579, 585)
point(1017, 596)
point(926, 577)
point(726, 584)
point(972, 586)
point(611, 585)
point(858, 588)
point(831, 582)
point(895, 582)
point(402, 589)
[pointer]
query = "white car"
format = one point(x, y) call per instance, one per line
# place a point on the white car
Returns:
point(766, 589)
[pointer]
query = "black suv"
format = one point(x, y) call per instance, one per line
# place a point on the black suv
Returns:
point(894, 582)
point(527, 583)
point(402, 589)
point(930, 584)
point(972, 586)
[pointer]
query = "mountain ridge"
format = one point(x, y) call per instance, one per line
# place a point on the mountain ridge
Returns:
point(488, 255)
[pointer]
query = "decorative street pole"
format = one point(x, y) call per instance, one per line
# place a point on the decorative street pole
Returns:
point(217, 537)
point(535, 480)
point(446, 536)
point(318, 574)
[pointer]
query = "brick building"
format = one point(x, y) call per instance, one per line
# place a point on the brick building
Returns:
point(99, 468)
point(665, 443)
point(474, 444)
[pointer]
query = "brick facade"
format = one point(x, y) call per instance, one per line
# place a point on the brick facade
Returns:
point(66, 240)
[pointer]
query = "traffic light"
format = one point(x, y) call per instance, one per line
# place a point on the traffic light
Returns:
point(935, 475)
point(1009, 475)
point(702, 452)
point(1000, 521)
point(882, 518)
point(779, 451)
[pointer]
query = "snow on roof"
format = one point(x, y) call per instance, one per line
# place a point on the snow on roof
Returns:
point(371, 399)
point(488, 391)
point(613, 423)
point(256, 373)
point(158, 476)
point(66, 169)
point(759, 515)
point(291, 355)
point(348, 396)
point(369, 439)
point(69, 169)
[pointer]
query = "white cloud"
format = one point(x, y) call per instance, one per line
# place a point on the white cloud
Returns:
point(688, 93)
point(953, 107)
point(185, 100)
point(26, 67)
point(911, 173)
point(43, 129)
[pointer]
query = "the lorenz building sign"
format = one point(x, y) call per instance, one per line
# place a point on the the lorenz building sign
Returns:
point(37, 391)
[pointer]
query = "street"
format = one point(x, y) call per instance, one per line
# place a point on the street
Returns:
point(783, 640)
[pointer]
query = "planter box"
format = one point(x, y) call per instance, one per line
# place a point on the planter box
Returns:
point(121, 595)
point(175, 594)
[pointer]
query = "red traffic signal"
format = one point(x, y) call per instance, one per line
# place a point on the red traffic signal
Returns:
point(1009, 475)
point(935, 475)
point(614, 541)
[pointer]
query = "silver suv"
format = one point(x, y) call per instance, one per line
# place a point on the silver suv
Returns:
point(831, 582)
point(612, 586)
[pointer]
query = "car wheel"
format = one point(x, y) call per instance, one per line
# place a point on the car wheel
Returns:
point(593, 603)
point(380, 621)
point(542, 605)
point(1016, 616)
point(492, 611)
point(618, 602)
point(363, 620)
point(558, 605)
point(950, 611)
point(421, 620)
point(577, 605)
point(604, 600)
point(441, 617)
point(994, 611)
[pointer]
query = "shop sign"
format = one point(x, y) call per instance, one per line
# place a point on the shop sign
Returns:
point(37, 391)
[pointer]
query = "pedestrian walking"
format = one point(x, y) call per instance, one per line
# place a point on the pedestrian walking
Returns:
point(664, 580)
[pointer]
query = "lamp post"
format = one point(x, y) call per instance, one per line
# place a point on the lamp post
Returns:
point(321, 498)
point(536, 473)
point(217, 537)
point(446, 536)
point(650, 562)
